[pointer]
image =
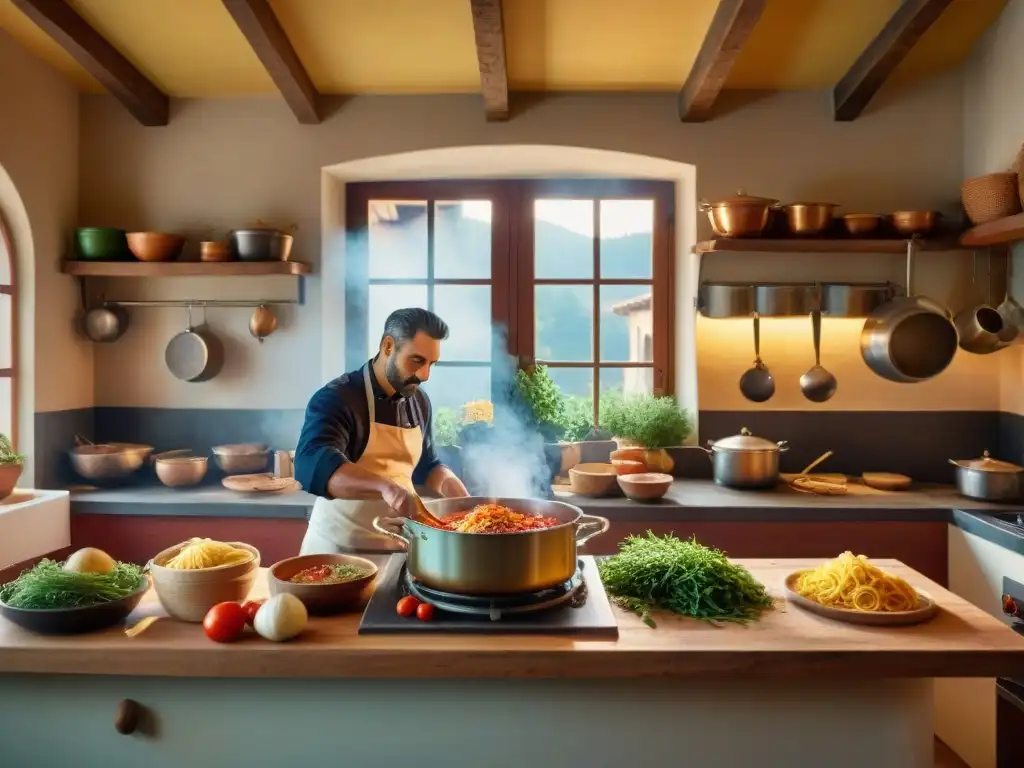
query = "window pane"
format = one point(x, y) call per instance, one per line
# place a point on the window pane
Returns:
point(573, 382)
point(564, 323)
point(563, 239)
point(627, 324)
point(5, 260)
point(398, 239)
point(6, 331)
point(385, 299)
point(467, 310)
point(627, 238)
point(452, 386)
point(627, 381)
point(6, 410)
point(462, 239)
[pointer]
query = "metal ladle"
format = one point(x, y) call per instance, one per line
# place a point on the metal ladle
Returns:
point(818, 385)
point(757, 383)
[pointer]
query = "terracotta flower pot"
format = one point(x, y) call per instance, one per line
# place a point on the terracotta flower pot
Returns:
point(9, 475)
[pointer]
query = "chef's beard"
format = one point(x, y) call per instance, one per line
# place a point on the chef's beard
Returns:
point(404, 386)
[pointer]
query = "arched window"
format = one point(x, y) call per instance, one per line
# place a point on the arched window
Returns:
point(7, 335)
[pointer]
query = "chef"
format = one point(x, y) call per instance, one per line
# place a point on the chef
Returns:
point(367, 439)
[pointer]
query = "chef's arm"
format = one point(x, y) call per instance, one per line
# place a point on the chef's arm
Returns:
point(444, 482)
point(321, 464)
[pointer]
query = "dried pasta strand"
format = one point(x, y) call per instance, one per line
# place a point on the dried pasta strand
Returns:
point(851, 582)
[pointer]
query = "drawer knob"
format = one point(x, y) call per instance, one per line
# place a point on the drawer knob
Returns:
point(126, 720)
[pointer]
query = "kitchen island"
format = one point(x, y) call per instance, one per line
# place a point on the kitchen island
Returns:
point(791, 689)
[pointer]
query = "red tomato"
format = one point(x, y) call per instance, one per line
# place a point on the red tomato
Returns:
point(224, 622)
point(407, 605)
point(424, 611)
point(250, 607)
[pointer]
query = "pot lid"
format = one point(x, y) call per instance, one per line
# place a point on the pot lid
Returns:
point(744, 441)
point(987, 464)
point(741, 198)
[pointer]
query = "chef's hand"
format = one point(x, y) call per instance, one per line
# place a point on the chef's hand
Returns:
point(399, 499)
point(452, 488)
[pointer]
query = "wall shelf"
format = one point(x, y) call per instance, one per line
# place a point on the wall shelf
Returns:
point(183, 268)
point(999, 232)
point(820, 245)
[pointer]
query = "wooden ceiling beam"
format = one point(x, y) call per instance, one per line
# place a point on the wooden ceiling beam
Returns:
point(732, 24)
point(879, 60)
point(89, 48)
point(489, 30)
point(256, 20)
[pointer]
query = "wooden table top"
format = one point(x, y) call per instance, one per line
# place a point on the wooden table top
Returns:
point(788, 642)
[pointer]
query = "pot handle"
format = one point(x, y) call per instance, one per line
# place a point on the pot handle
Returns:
point(398, 522)
point(783, 445)
point(590, 521)
point(708, 451)
point(704, 206)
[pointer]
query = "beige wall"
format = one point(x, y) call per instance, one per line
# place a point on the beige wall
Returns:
point(225, 163)
point(38, 197)
point(993, 133)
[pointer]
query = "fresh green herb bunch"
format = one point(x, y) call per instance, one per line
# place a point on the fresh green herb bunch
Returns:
point(47, 585)
point(651, 422)
point(446, 427)
point(7, 453)
point(577, 418)
point(541, 397)
point(685, 577)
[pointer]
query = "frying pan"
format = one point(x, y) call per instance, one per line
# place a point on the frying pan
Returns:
point(195, 354)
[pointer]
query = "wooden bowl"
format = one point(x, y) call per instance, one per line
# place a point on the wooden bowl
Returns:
point(645, 486)
point(73, 621)
point(592, 479)
point(155, 246)
point(188, 594)
point(321, 599)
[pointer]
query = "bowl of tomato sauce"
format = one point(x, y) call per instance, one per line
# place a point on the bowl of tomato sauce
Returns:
point(325, 583)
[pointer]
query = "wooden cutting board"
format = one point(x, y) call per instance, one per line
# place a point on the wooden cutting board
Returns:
point(263, 482)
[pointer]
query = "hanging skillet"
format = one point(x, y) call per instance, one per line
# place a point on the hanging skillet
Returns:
point(195, 354)
point(909, 338)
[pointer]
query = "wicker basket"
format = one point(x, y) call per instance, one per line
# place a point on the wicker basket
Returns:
point(991, 197)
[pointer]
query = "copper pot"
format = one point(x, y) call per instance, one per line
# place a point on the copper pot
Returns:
point(861, 223)
point(914, 222)
point(809, 218)
point(739, 216)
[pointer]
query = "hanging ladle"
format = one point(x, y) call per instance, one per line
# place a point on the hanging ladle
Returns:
point(757, 383)
point(818, 385)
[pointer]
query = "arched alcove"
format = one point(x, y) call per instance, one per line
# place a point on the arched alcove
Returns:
point(8, 337)
point(509, 161)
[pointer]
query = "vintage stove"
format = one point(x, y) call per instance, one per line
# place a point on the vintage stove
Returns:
point(580, 606)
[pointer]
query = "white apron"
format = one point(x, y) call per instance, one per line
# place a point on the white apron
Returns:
point(346, 525)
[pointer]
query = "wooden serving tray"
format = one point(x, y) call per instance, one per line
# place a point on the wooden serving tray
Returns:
point(263, 482)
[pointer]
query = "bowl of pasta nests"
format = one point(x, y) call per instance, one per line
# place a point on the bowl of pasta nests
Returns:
point(193, 576)
point(852, 589)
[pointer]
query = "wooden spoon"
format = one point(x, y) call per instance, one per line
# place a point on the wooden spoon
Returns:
point(421, 509)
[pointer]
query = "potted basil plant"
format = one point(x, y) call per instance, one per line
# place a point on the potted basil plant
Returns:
point(651, 424)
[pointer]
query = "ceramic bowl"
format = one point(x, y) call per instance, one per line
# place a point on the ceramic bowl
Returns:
point(645, 486)
point(187, 594)
point(321, 599)
point(592, 479)
point(74, 621)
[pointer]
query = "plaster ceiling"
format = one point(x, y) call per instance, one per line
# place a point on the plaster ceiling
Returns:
point(192, 48)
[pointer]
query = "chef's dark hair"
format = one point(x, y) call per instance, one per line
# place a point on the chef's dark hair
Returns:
point(403, 324)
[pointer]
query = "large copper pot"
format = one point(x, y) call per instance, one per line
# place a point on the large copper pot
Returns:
point(494, 563)
point(740, 216)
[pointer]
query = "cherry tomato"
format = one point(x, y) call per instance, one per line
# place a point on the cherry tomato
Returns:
point(407, 605)
point(424, 611)
point(250, 607)
point(224, 622)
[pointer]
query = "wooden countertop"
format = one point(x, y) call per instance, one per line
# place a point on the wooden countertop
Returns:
point(962, 641)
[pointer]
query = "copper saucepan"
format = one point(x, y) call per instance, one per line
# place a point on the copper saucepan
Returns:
point(740, 216)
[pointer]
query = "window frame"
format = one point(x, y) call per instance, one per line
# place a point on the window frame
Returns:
point(10, 289)
point(512, 278)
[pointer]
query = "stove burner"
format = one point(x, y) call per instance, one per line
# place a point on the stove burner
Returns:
point(573, 592)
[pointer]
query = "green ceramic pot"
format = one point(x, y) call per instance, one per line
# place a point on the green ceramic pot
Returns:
point(101, 243)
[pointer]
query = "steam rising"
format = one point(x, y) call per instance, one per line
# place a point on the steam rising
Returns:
point(508, 459)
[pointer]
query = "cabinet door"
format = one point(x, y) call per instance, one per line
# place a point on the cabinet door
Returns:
point(965, 709)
